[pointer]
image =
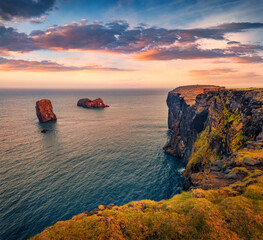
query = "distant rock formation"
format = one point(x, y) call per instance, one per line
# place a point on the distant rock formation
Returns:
point(87, 103)
point(44, 111)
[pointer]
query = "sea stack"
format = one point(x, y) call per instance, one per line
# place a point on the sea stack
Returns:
point(44, 111)
point(87, 103)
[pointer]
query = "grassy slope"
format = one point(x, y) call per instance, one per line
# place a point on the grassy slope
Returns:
point(234, 212)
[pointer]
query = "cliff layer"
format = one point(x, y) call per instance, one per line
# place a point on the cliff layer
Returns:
point(208, 133)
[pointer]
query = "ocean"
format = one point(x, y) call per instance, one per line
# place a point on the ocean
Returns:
point(88, 157)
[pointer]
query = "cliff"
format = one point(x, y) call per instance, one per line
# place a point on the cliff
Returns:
point(218, 134)
point(207, 133)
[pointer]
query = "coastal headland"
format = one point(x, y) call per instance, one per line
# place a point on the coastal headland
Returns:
point(217, 133)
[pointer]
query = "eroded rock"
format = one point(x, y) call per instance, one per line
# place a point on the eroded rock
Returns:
point(251, 161)
point(231, 175)
point(87, 103)
point(209, 123)
point(44, 111)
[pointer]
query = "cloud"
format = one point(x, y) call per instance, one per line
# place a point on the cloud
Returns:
point(11, 40)
point(182, 53)
point(112, 37)
point(146, 43)
point(252, 59)
point(38, 20)
point(236, 27)
point(47, 66)
point(211, 72)
point(24, 8)
point(245, 48)
point(226, 76)
point(194, 51)
point(117, 36)
point(233, 42)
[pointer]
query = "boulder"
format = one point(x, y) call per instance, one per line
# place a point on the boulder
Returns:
point(44, 130)
point(231, 175)
point(215, 169)
point(101, 207)
point(87, 103)
point(251, 161)
point(44, 111)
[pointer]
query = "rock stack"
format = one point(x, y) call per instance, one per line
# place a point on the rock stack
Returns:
point(44, 111)
point(87, 103)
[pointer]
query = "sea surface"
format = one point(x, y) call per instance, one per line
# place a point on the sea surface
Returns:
point(87, 158)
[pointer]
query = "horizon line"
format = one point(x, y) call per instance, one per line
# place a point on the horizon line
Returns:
point(3, 88)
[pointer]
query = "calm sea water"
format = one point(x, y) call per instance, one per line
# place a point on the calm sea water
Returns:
point(87, 158)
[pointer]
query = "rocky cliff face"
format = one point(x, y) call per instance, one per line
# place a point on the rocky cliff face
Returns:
point(44, 111)
point(185, 119)
point(207, 132)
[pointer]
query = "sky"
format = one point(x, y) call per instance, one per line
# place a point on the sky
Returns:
point(85, 44)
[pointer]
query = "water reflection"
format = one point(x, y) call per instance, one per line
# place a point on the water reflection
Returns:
point(51, 126)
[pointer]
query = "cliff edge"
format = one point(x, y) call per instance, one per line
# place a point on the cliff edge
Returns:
point(209, 133)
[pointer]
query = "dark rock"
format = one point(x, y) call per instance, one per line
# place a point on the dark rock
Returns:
point(192, 108)
point(44, 111)
point(232, 164)
point(231, 175)
point(260, 136)
point(110, 206)
point(228, 170)
point(185, 119)
point(218, 163)
point(99, 210)
point(44, 130)
point(251, 182)
point(251, 161)
point(219, 120)
point(215, 169)
point(87, 103)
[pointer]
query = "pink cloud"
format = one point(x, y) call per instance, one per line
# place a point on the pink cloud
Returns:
point(47, 66)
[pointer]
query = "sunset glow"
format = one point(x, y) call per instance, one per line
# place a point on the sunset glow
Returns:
point(129, 44)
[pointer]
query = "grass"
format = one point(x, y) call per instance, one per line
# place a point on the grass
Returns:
point(234, 212)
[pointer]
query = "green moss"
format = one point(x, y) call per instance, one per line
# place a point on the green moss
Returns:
point(241, 170)
point(222, 135)
point(202, 150)
point(256, 153)
point(238, 141)
point(231, 117)
point(254, 192)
